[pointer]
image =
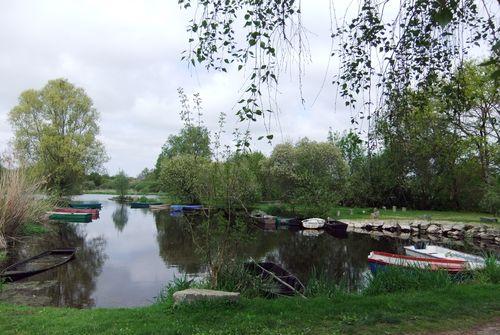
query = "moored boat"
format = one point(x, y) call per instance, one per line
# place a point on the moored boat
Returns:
point(279, 280)
point(291, 222)
point(159, 207)
point(139, 205)
point(88, 205)
point(37, 264)
point(70, 217)
point(336, 225)
point(93, 212)
point(185, 208)
point(313, 223)
point(438, 252)
point(379, 259)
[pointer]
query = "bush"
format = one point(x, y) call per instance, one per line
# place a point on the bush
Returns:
point(395, 279)
point(21, 202)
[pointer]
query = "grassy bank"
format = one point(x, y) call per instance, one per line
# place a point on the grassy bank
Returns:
point(364, 213)
point(452, 308)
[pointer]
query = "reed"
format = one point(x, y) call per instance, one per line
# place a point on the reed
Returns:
point(490, 274)
point(320, 284)
point(178, 284)
point(21, 201)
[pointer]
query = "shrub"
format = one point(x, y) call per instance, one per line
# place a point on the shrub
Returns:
point(395, 279)
point(21, 202)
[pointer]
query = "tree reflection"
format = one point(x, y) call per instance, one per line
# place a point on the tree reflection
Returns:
point(176, 244)
point(120, 217)
point(73, 283)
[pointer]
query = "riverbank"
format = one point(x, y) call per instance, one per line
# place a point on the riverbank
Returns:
point(357, 213)
point(458, 307)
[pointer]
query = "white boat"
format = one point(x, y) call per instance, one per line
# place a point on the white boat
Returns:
point(378, 259)
point(435, 251)
point(313, 223)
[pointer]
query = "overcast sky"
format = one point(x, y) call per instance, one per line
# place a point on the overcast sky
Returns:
point(126, 55)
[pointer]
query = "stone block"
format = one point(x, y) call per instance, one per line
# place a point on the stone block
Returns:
point(194, 294)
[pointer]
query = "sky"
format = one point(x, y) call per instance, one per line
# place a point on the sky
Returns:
point(127, 56)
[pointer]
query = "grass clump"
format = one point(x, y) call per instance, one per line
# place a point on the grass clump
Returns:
point(320, 285)
point(178, 284)
point(395, 279)
point(20, 202)
point(490, 274)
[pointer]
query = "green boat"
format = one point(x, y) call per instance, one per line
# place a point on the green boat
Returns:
point(88, 205)
point(71, 217)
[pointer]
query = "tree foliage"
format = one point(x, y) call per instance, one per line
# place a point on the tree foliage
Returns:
point(308, 172)
point(121, 184)
point(56, 132)
point(386, 45)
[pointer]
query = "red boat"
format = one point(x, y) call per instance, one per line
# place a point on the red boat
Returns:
point(379, 259)
point(94, 212)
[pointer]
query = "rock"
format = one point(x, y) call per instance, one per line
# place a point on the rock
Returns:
point(434, 229)
point(405, 227)
point(195, 294)
point(377, 225)
point(458, 226)
point(392, 227)
point(424, 226)
point(445, 228)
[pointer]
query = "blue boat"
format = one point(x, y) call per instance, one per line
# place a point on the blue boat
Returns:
point(139, 205)
point(185, 208)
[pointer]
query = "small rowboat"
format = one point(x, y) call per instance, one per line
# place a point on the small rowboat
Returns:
point(70, 217)
point(88, 205)
point(37, 264)
point(332, 224)
point(313, 223)
point(291, 222)
point(435, 251)
point(378, 260)
point(93, 212)
point(160, 207)
point(185, 208)
point(139, 205)
point(279, 280)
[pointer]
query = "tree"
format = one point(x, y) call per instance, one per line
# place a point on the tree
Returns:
point(56, 132)
point(121, 184)
point(311, 173)
point(385, 45)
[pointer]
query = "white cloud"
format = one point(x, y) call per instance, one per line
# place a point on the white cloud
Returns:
point(126, 55)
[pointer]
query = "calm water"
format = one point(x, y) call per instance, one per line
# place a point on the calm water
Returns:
point(128, 255)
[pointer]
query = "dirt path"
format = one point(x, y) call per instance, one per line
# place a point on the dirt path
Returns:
point(490, 328)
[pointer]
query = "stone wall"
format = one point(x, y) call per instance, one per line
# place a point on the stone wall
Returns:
point(451, 230)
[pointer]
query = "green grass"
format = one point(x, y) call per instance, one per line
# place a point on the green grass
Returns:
point(457, 307)
point(364, 213)
point(33, 229)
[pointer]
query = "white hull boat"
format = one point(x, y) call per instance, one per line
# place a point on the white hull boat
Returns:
point(313, 223)
point(435, 251)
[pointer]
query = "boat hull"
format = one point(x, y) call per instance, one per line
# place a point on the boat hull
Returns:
point(377, 260)
point(11, 274)
point(85, 205)
point(277, 288)
point(139, 205)
point(93, 212)
point(71, 217)
point(314, 223)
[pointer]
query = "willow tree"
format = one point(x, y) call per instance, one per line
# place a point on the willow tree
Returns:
point(381, 47)
point(56, 132)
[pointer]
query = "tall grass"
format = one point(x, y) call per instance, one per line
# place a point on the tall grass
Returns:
point(396, 279)
point(178, 284)
point(490, 274)
point(21, 201)
point(320, 285)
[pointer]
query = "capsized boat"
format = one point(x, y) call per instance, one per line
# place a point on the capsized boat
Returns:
point(379, 259)
point(91, 205)
point(93, 212)
point(279, 280)
point(37, 264)
point(313, 223)
point(70, 217)
point(436, 251)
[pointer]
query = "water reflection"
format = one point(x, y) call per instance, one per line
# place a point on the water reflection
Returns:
point(120, 217)
point(116, 267)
